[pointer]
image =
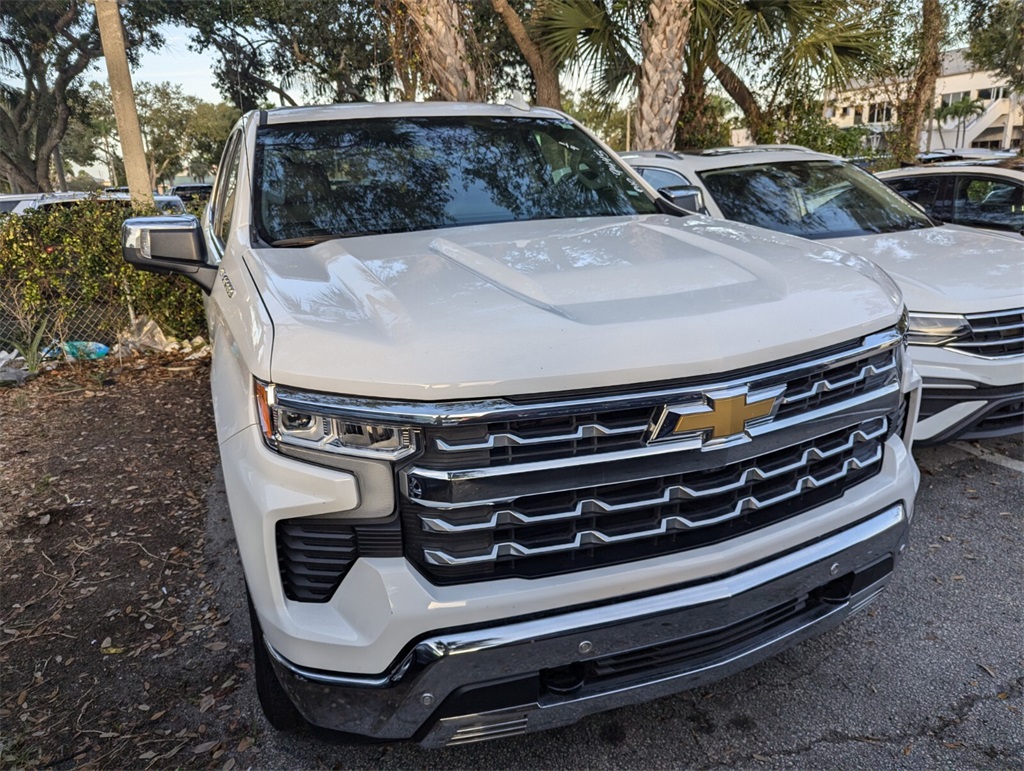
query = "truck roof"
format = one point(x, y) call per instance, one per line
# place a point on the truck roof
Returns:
point(363, 110)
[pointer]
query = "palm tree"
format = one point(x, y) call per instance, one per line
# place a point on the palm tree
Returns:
point(967, 108)
point(443, 49)
point(789, 43)
point(633, 44)
point(960, 111)
point(108, 16)
point(663, 39)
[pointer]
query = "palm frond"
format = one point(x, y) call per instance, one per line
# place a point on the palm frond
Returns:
point(589, 36)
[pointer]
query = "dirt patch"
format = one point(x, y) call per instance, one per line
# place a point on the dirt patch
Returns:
point(112, 645)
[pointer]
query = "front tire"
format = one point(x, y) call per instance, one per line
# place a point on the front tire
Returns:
point(278, 708)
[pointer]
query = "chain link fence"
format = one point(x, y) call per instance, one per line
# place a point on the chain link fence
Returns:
point(76, 315)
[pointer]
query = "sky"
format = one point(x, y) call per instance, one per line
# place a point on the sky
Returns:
point(176, 64)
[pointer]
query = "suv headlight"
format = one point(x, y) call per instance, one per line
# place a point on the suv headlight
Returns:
point(936, 328)
point(308, 426)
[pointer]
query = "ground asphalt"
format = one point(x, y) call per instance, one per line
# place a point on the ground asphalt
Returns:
point(929, 677)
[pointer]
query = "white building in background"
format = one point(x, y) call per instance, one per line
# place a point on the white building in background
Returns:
point(999, 127)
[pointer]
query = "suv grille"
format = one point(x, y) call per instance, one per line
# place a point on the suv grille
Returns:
point(994, 334)
point(570, 485)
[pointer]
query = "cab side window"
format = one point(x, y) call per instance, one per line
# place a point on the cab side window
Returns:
point(223, 199)
point(989, 202)
point(920, 190)
point(659, 178)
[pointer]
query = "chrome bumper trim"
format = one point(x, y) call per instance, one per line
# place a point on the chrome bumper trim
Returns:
point(402, 702)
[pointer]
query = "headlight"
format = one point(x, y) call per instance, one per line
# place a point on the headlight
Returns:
point(312, 429)
point(936, 328)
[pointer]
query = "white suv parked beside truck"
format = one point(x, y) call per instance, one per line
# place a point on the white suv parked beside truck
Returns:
point(508, 439)
point(963, 287)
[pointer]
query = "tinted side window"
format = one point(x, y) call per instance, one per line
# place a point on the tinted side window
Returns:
point(660, 178)
point(222, 199)
point(920, 190)
point(988, 202)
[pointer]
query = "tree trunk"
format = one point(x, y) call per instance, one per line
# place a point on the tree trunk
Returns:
point(913, 109)
point(443, 49)
point(123, 99)
point(740, 94)
point(58, 166)
point(662, 44)
point(20, 182)
point(542, 62)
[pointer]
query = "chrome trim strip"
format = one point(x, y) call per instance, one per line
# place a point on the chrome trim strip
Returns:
point(986, 343)
point(828, 385)
point(995, 357)
point(482, 731)
point(356, 681)
point(677, 522)
point(413, 480)
point(673, 493)
point(994, 314)
point(583, 431)
point(456, 413)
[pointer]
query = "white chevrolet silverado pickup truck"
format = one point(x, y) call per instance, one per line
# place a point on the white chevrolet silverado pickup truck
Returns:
point(508, 439)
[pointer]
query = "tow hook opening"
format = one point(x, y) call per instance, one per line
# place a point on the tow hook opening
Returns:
point(563, 680)
point(841, 589)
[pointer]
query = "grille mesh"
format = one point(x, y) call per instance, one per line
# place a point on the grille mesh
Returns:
point(994, 334)
point(594, 526)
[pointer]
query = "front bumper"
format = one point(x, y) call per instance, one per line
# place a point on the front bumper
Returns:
point(967, 397)
point(476, 683)
point(952, 411)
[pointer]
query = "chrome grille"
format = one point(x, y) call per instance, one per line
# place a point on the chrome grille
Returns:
point(593, 526)
point(993, 334)
point(555, 487)
point(625, 427)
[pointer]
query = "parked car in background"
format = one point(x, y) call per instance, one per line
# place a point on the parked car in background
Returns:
point(198, 192)
point(508, 439)
point(167, 204)
point(10, 201)
point(978, 196)
point(962, 286)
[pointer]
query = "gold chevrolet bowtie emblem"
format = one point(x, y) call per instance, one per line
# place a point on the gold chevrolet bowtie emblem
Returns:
point(722, 416)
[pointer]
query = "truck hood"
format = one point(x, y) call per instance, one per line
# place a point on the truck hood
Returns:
point(947, 269)
point(556, 305)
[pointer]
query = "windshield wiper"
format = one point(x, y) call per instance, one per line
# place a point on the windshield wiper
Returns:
point(320, 238)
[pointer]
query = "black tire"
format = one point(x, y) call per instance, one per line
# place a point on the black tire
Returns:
point(279, 709)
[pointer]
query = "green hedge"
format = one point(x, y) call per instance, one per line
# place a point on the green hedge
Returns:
point(60, 261)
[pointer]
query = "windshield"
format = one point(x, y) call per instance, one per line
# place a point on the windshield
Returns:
point(813, 199)
point(359, 177)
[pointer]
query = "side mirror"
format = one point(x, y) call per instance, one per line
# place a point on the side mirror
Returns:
point(688, 197)
point(168, 244)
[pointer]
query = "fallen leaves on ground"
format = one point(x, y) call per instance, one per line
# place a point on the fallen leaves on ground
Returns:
point(107, 611)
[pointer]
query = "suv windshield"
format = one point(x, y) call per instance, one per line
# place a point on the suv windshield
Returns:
point(813, 199)
point(318, 181)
